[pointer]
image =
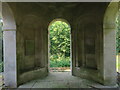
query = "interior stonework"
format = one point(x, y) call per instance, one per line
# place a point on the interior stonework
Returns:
point(26, 39)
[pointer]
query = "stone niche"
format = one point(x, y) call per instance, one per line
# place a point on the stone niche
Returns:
point(29, 47)
point(86, 50)
point(89, 46)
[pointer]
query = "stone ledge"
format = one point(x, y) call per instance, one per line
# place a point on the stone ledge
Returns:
point(31, 75)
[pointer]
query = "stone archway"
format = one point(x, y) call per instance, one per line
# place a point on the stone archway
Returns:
point(65, 21)
point(109, 44)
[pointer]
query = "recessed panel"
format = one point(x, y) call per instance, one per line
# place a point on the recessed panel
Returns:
point(29, 47)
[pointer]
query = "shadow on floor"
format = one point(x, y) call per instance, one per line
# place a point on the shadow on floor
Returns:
point(63, 80)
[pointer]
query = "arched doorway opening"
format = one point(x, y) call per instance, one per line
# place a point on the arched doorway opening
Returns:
point(1, 46)
point(59, 52)
point(1, 53)
point(118, 42)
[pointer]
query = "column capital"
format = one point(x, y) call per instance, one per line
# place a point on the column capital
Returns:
point(109, 25)
point(9, 30)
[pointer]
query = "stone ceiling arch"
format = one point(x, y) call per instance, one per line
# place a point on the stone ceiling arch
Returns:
point(8, 18)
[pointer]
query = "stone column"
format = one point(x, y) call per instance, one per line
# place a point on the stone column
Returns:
point(10, 64)
point(109, 57)
point(109, 45)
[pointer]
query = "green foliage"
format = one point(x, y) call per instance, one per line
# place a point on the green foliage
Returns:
point(59, 44)
point(1, 66)
point(1, 56)
point(60, 62)
point(118, 35)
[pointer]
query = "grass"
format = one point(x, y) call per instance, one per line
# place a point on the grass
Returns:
point(62, 63)
point(118, 67)
point(118, 62)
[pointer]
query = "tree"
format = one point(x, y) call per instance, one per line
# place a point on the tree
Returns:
point(59, 40)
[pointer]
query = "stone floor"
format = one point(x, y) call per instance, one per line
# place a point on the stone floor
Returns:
point(62, 80)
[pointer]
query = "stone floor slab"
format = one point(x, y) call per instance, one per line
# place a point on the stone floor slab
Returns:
point(28, 84)
point(61, 80)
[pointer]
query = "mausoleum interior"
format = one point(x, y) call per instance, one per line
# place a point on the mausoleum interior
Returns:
point(93, 40)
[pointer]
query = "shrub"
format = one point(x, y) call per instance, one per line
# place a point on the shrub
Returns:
point(63, 62)
point(59, 44)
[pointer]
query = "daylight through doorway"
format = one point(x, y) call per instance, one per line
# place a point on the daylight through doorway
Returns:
point(59, 46)
point(118, 42)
